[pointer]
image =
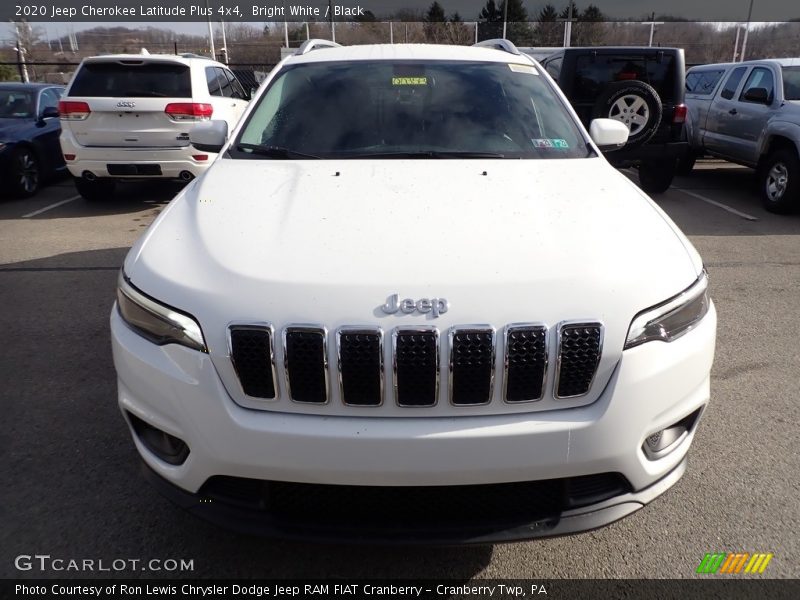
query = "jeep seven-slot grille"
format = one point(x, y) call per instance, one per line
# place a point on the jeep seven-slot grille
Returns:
point(306, 364)
point(579, 354)
point(360, 354)
point(414, 367)
point(252, 357)
point(525, 362)
point(471, 365)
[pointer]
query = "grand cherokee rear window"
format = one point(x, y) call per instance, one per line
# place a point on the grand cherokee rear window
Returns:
point(132, 79)
point(388, 109)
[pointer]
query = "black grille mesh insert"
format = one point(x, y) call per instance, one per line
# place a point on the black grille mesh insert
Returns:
point(526, 357)
point(416, 360)
point(251, 353)
point(472, 362)
point(396, 507)
point(579, 356)
point(305, 365)
point(361, 366)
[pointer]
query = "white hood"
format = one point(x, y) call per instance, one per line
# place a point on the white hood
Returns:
point(327, 241)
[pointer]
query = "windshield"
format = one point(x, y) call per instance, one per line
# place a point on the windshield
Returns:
point(389, 109)
point(16, 104)
point(791, 83)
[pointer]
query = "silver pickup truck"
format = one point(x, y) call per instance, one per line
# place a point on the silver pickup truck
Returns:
point(749, 113)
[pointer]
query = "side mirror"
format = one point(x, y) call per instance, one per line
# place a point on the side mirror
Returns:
point(50, 112)
point(209, 136)
point(608, 134)
point(759, 95)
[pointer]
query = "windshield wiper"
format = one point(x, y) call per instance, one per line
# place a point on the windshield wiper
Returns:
point(427, 154)
point(274, 151)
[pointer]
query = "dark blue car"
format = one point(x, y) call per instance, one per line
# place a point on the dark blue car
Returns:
point(29, 129)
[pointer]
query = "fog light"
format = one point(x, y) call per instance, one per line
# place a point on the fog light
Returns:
point(665, 441)
point(167, 447)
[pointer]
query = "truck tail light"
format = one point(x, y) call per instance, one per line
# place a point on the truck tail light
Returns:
point(69, 110)
point(679, 116)
point(189, 111)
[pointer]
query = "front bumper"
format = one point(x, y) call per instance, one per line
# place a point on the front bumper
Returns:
point(654, 386)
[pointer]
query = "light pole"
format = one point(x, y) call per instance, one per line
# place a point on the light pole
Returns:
point(568, 26)
point(652, 28)
point(505, 18)
point(747, 29)
point(739, 27)
point(210, 33)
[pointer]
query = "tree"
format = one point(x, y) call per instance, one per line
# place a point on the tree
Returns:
point(548, 31)
point(435, 14)
point(589, 31)
point(517, 28)
point(435, 24)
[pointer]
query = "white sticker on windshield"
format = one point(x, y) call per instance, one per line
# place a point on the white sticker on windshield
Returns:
point(523, 69)
point(554, 143)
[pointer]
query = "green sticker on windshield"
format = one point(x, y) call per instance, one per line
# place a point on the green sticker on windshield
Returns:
point(554, 143)
point(409, 81)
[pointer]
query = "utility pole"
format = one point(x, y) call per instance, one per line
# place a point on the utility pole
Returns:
point(505, 18)
point(747, 29)
point(568, 25)
point(210, 33)
point(333, 24)
point(224, 44)
point(23, 68)
point(652, 29)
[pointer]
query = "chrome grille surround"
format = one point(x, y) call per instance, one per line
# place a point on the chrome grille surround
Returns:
point(508, 331)
point(569, 325)
point(455, 331)
point(365, 330)
point(263, 327)
point(309, 329)
point(422, 329)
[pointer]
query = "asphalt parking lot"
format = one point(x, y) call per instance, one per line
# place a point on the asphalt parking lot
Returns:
point(71, 481)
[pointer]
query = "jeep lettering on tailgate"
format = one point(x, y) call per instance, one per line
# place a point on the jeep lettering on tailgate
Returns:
point(435, 306)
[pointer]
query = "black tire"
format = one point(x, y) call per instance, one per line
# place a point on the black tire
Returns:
point(686, 164)
point(656, 177)
point(633, 103)
point(25, 174)
point(779, 182)
point(95, 191)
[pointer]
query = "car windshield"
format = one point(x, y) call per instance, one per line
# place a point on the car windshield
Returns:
point(391, 109)
point(16, 104)
point(791, 83)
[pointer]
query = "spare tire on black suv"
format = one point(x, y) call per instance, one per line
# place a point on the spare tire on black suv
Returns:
point(643, 87)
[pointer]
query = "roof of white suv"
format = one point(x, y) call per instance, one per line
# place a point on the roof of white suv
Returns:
point(407, 52)
point(171, 58)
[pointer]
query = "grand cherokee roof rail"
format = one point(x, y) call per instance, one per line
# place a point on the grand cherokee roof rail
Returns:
point(310, 45)
point(499, 44)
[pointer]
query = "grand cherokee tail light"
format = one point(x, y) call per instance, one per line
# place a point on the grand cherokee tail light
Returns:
point(189, 111)
point(70, 110)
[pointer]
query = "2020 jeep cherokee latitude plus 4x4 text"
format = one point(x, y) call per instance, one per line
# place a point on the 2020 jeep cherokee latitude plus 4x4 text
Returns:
point(411, 301)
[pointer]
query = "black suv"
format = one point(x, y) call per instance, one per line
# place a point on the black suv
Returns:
point(641, 86)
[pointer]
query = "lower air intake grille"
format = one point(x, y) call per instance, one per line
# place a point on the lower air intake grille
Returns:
point(252, 356)
point(361, 366)
point(416, 368)
point(397, 507)
point(526, 362)
point(306, 364)
point(579, 354)
point(471, 365)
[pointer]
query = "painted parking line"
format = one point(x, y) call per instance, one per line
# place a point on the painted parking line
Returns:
point(46, 208)
point(731, 210)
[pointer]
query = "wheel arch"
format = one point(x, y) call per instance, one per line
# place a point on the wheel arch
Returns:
point(780, 140)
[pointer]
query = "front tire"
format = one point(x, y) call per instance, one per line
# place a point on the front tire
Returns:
point(95, 191)
point(656, 177)
point(779, 182)
point(25, 173)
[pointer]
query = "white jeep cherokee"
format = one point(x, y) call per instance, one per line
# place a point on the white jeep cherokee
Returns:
point(412, 301)
point(128, 116)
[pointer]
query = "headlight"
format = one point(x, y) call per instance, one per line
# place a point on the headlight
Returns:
point(671, 319)
point(157, 322)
